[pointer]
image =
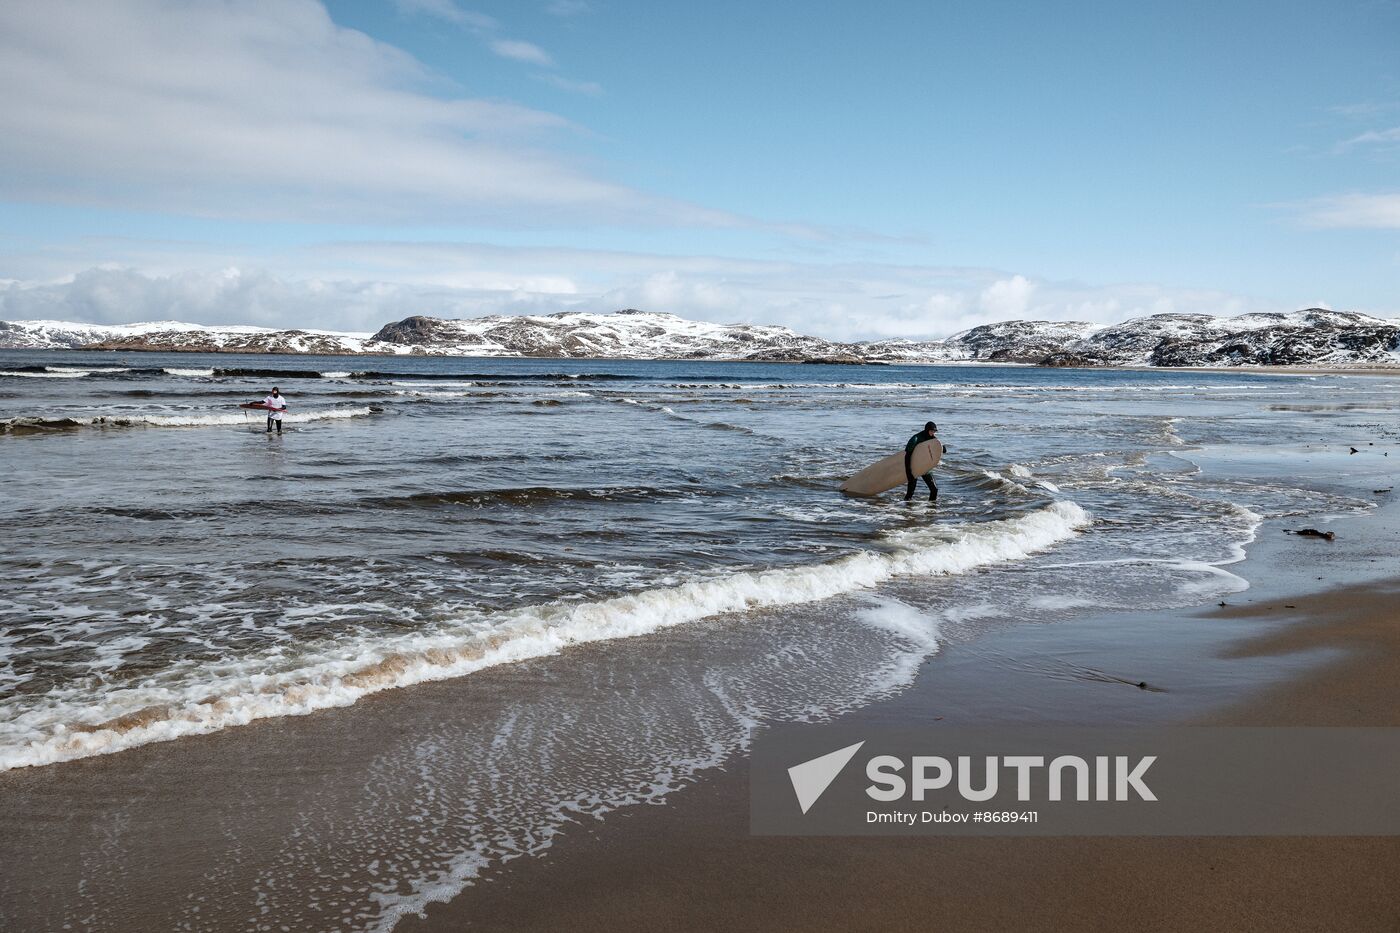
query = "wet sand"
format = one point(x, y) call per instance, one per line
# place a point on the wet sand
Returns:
point(691, 864)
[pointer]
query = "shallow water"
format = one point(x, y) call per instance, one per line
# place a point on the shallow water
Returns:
point(174, 571)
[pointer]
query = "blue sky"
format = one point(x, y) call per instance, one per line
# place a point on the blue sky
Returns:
point(852, 170)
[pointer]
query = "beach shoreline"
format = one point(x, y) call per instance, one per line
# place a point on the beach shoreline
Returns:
point(1359, 369)
point(1330, 656)
point(245, 755)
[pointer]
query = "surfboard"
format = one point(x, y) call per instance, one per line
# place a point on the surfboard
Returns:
point(261, 407)
point(888, 473)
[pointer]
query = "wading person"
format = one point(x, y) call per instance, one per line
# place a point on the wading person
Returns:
point(276, 405)
point(930, 429)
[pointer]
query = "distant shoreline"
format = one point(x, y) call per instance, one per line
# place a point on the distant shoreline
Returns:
point(1367, 370)
point(1312, 339)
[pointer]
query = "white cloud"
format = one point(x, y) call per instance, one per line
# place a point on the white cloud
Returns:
point(1354, 211)
point(110, 296)
point(1007, 298)
point(569, 7)
point(702, 298)
point(393, 280)
point(589, 88)
point(447, 10)
point(1363, 109)
point(1383, 139)
point(272, 111)
point(521, 51)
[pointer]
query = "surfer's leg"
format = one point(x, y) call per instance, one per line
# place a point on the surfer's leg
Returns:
point(932, 489)
point(909, 475)
point(269, 424)
point(279, 425)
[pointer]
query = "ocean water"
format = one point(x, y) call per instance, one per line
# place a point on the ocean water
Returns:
point(476, 535)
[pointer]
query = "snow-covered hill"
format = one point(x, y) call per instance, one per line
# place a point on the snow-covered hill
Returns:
point(1313, 337)
point(1310, 337)
point(173, 336)
point(626, 334)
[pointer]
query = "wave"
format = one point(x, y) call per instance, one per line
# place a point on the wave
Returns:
point(77, 372)
point(42, 374)
point(1004, 482)
point(802, 385)
point(385, 375)
point(264, 373)
point(211, 697)
point(501, 378)
point(701, 422)
point(532, 495)
point(43, 425)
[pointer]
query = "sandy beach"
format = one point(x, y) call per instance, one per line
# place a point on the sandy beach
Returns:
point(692, 865)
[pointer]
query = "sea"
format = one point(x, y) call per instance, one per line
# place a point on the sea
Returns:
point(459, 604)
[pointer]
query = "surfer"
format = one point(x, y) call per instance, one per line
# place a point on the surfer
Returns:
point(275, 405)
point(930, 429)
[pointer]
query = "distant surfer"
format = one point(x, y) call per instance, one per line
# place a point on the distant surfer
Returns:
point(927, 434)
point(276, 405)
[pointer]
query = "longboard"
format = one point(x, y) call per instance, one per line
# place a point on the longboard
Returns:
point(888, 473)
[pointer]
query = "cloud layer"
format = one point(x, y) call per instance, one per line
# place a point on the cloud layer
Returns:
point(838, 301)
point(1354, 211)
point(271, 111)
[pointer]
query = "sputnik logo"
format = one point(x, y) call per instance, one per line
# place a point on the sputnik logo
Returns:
point(811, 778)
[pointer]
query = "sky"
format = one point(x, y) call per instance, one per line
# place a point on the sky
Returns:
point(855, 171)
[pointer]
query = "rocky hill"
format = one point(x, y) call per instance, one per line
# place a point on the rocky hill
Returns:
point(628, 334)
point(175, 337)
point(1314, 337)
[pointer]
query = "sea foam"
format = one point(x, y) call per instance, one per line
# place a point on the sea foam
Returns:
point(220, 695)
point(25, 425)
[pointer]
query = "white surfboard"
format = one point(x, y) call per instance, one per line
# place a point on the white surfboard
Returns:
point(889, 473)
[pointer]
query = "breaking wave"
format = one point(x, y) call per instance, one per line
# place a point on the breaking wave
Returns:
point(209, 697)
point(43, 373)
point(532, 495)
point(44, 425)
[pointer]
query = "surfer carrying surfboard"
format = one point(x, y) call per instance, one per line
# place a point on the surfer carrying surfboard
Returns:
point(930, 429)
point(921, 455)
point(275, 405)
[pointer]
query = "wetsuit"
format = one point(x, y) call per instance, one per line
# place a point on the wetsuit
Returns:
point(913, 442)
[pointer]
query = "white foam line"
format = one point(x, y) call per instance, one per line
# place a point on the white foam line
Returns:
point(1211, 569)
point(909, 624)
point(1008, 483)
point(211, 697)
point(240, 418)
point(46, 375)
point(191, 421)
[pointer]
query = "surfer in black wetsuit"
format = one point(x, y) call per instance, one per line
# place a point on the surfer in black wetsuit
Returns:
point(930, 429)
